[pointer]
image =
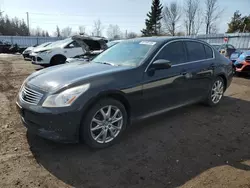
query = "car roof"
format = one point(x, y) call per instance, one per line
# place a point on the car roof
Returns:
point(162, 39)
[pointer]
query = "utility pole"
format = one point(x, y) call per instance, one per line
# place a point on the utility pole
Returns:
point(28, 22)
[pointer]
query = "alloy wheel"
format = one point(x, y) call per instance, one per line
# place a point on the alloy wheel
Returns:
point(217, 91)
point(106, 124)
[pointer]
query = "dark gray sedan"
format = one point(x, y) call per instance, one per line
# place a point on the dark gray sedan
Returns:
point(134, 79)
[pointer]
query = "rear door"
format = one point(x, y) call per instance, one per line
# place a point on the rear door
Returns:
point(201, 66)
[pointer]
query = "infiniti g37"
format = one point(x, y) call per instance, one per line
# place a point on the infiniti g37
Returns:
point(134, 79)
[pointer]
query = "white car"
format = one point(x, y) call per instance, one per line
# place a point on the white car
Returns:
point(26, 53)
point(58, 52)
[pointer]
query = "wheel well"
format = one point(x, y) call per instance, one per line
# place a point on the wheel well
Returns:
point(116, 96)
point(224, 79)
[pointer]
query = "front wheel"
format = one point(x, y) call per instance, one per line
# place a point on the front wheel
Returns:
point(216, 92)
point(57, 60)
point(104, 123)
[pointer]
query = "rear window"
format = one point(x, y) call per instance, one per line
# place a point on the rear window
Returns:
point(195, 51)
point(209, 52)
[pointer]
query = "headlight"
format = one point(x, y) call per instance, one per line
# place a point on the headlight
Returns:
point(49, 51)
point(65, 98)
point(45, 51)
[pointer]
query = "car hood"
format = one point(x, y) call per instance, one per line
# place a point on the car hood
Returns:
point(54, 78)
point(41, 49)
point(29, 49)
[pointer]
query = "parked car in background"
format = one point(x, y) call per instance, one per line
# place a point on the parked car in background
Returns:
point(26, 53)
point(5, 47)
point(58, 52)
point(242, 64)
point(92, 47)
point(224, 49)
point(134, 79)
point(235, 55)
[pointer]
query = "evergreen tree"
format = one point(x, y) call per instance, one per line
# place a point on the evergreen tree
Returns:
point(153, 22)
point(236, 23)
point(58, 32)
point(47, 34)
point(13, 26)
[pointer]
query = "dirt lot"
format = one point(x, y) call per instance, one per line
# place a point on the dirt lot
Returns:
point(195, 146)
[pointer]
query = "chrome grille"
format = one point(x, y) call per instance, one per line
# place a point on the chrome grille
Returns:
point(30, 96)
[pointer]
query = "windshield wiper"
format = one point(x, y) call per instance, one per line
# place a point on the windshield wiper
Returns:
point(107, 63)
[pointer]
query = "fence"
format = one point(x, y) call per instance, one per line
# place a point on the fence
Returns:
point(239, 40)
point(26, 41)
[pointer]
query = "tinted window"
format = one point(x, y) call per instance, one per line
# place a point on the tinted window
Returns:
point(209, 52)
point(174, 52)
point(195, 51)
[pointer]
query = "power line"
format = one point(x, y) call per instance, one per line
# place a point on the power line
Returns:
point(76, 15)
point(72, 24)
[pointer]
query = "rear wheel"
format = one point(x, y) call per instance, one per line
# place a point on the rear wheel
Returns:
point(104, 123)
point(57, 60)
point(216, 92)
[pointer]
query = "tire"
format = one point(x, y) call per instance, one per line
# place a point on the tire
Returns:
point(57, 60)
point(211, 101)
point(104, 127)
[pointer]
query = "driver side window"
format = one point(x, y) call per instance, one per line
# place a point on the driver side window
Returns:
point(73, 44)
point(174, 52)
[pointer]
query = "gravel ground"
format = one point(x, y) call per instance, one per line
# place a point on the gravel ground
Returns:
point(195, 146)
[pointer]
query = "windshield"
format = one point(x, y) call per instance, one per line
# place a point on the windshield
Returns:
point(112, 43)
point(44, 44)
point(125, 54)
point(61, 42)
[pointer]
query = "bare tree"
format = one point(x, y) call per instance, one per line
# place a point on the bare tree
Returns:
point(66, 32)
point(114, 32)
point(212, 13)
point(98, 28)
point(131, 35)
point(171, 16)
point(81, 30)
point(191, 12)
point(198, 21)
point(214, 29)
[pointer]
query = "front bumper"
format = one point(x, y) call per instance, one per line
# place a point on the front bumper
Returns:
point(38, 59)
point(26, 56)
point(53, 124)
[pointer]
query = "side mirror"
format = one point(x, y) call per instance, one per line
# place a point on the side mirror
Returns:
point(161, 64)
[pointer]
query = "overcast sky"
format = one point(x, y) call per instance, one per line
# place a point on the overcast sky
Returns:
point(128, 14)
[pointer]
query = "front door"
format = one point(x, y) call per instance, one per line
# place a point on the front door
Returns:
point(73, 49)
point(167, 88)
